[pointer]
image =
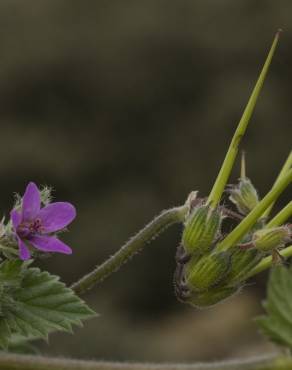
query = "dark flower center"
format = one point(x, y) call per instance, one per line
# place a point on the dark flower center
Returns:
point(27, 229)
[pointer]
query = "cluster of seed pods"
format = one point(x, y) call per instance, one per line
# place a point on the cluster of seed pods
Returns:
point(206, 275)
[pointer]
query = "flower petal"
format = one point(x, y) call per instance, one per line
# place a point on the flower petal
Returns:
point(31, 202)
point(24, 252)
point(15, 218)
point(49, 244)
point(56, 216)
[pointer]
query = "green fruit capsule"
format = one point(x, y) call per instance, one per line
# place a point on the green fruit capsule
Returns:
point(242, 261)
point(266, 240)
point(207, 272)
point(244, 196)
point(201, 229)
point(212, 296)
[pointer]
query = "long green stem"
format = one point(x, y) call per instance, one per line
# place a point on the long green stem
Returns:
point(282, 216)
point(250, 220)
point(267, 262)
point(224, 173)
point(286, 167)
point(135, 244)
point(25, 362)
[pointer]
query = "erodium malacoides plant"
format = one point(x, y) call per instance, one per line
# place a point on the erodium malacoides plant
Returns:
point(210, 266)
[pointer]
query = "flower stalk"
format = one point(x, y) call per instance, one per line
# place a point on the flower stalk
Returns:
point(134, 245)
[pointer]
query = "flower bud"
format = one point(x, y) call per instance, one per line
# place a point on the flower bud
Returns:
point(202, 227)
point(266, 240)
point(212, 296)
point(244, 196)
point(207, 272)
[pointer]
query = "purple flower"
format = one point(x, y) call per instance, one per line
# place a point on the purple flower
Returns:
point(36, 226)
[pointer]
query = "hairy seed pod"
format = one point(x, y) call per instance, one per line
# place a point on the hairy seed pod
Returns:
point(207, 272)
point(212, 296)
point(244, 196)
point(202, 227)
point(242, 261)
point(266, 240)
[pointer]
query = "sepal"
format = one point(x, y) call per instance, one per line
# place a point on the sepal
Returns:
point(207, 272)
point(266, 240)
point(202, 228)
point(244, 196)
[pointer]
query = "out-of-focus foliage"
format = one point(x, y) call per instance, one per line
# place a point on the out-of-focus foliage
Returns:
point(112, 103)
point(35, 303)
point(277, 325)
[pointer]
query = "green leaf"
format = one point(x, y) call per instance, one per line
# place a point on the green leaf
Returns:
point(36, 303)
point(277, 324)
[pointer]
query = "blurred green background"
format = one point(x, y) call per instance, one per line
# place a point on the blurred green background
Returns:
point(124, 107)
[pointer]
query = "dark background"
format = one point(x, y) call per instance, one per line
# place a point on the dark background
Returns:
point(124, 107)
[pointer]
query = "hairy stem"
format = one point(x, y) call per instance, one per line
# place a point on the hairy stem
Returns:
point(135, 244)
point(25, 362)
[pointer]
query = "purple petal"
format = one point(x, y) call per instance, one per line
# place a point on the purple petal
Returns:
point(49, 244)
point(15, 218)
point(31, 202)
point(56, 216)
point(24, 252)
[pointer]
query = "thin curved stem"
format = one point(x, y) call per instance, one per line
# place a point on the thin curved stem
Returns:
point(134, 245)
point(25, 362)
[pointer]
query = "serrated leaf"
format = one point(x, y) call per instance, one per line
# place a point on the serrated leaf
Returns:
point(37, 305)
point(277, 324)
point(275, 330)
point(10, 272)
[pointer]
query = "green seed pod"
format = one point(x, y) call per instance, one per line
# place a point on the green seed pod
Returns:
point(207, 272)
point(244, 196)
point(242, 261)
point(266, 240)
point(212, 296)
point(202, 227)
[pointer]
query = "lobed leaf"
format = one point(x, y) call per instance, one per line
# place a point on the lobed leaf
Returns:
point(36, 304)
